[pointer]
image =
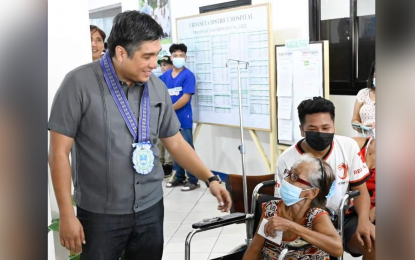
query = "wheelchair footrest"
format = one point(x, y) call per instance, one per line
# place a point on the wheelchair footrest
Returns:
point(219, 220)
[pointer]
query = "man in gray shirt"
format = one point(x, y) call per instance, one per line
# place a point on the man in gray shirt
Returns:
point(117, 175)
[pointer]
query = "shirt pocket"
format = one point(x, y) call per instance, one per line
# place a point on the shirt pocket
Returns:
point(155, 117)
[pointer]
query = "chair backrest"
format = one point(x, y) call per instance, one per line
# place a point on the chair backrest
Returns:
point(234, 185)
point(262, 198)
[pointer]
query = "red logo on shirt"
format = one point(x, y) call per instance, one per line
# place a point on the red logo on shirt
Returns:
point(345, 169)
point(362, 156)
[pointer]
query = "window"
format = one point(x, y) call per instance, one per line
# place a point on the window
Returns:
point(349, 26)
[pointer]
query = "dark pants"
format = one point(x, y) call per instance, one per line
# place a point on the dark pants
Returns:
point(139, 234)
point(180, 172)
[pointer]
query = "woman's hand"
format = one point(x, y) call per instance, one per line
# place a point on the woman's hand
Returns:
point(358, 129)
point(276, 223)
point(372, 126)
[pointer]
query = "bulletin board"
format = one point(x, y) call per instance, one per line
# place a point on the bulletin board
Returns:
point(302, 73)
point(242, 33)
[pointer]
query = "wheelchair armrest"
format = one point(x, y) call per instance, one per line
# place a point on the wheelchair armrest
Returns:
point(353, 193)
point(333, 216)
point(267, 183)
point(216, 222)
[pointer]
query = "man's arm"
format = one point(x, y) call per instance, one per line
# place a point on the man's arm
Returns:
point(186, 157)
point(182, 101)
point(70, 231)
point(362, 206)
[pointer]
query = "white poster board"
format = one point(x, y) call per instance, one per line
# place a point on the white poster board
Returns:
point(300, 76)
point(212, 39)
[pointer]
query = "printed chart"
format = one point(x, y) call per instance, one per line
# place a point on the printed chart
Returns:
point(213, 39)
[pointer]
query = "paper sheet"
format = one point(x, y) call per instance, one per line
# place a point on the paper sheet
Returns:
point(277, 239)
point(285, 78)
point(312, 78)
point(285, 130)
point(284, 107)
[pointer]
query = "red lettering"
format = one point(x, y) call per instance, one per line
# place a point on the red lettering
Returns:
point(357, 171)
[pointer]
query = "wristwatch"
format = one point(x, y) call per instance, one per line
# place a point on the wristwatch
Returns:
point(213, 178)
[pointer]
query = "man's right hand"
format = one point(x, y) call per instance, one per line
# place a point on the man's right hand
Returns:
point(71, 234)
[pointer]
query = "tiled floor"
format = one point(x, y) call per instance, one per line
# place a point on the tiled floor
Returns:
point(182, 209)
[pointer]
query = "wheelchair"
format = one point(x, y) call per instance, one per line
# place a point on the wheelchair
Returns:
point(252, 221)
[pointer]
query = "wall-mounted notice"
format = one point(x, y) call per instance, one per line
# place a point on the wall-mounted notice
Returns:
point(300, 76)
point(211, 39)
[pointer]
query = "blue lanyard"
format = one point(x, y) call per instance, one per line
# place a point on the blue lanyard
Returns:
point(143, 134)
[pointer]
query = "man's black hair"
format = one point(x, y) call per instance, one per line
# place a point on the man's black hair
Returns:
point(130, 29)
point(315, 105)
point(370, 77)
point(178, 47)
point(94, 28)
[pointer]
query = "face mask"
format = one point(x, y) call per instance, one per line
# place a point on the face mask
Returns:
point(290, 194)
point(318, 140)
point(332, 190)
point(178, 62)
point(374, 81)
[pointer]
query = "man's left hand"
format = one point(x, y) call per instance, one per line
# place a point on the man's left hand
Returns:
point(222, 195)
point(366, 234)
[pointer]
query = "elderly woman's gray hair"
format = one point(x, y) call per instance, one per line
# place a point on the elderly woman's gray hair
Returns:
point(315, 177)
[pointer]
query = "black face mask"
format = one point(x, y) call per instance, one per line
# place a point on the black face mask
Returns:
point(318, 140)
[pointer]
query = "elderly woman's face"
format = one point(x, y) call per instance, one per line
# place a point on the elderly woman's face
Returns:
point(299, 176)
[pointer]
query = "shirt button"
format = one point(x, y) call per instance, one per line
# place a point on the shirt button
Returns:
point(138, 182)
point(136, 206)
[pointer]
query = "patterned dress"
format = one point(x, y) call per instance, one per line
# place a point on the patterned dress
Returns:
point(368, 110)
point(271, 251)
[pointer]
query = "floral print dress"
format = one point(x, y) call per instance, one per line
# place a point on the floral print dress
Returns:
point(367, 111)
point(271, 251)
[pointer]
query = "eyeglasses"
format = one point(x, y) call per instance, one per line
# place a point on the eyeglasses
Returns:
point(294, 177)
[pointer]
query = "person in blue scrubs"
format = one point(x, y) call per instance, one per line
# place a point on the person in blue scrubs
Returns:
point(181, 85)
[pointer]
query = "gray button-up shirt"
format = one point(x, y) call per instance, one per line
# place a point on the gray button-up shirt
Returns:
point(103, 174)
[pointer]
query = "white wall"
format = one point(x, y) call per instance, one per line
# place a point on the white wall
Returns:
point(125, 4)
point(69, 46)
point(95, 4)
point(344, 112)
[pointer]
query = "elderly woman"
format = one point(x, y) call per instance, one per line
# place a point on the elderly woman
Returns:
point(300, 213)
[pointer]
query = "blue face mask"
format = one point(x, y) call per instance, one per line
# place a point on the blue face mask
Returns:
point(290, 194)
point(374, 81)
point(179, 62)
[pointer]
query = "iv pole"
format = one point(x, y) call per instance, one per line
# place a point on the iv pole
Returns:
point(242, 146)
